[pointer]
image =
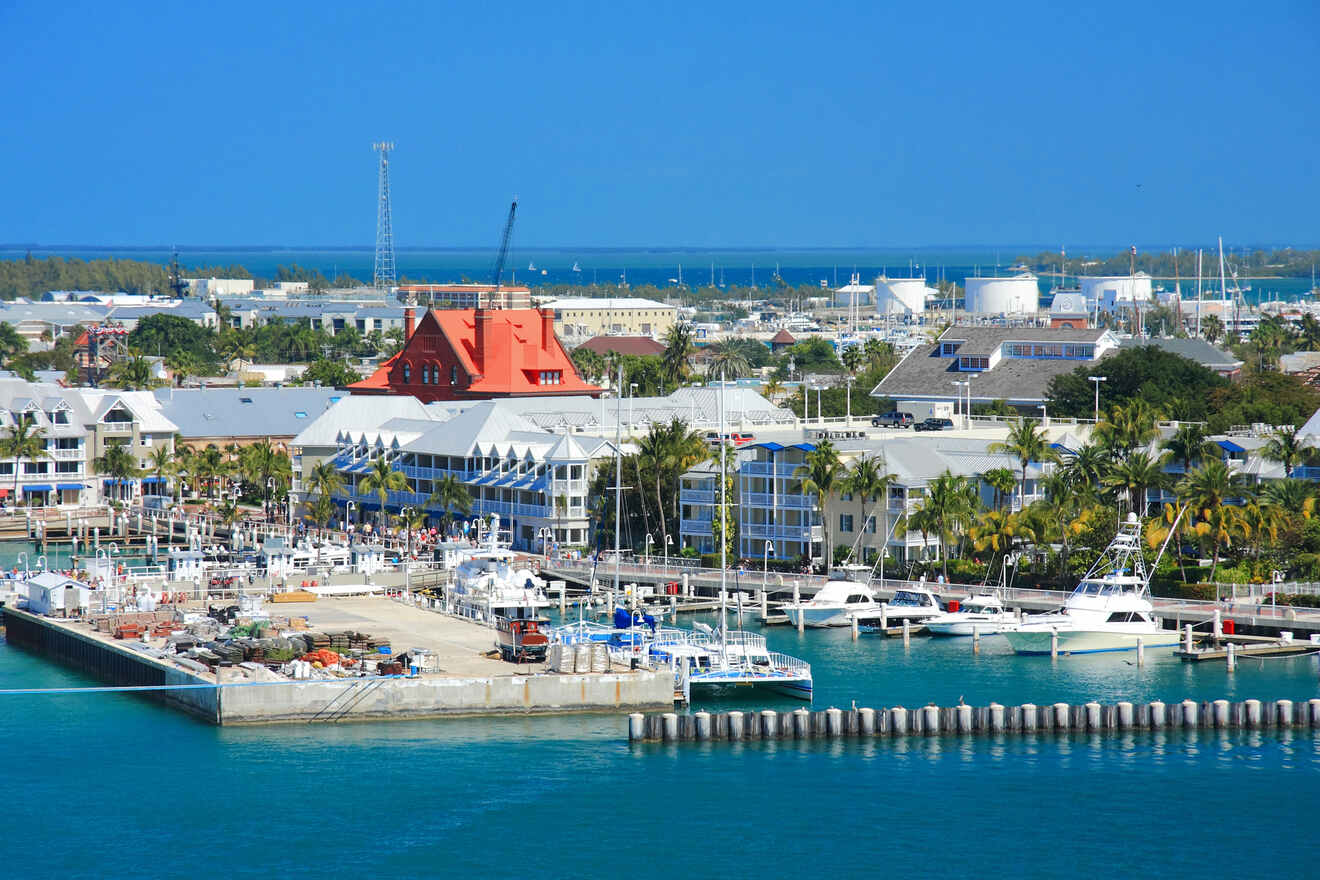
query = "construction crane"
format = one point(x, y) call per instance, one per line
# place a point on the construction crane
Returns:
point(504, 243)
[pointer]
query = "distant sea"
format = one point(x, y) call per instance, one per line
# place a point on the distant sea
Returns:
point(662, 267)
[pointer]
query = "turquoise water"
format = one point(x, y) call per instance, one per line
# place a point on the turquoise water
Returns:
point(114, 786)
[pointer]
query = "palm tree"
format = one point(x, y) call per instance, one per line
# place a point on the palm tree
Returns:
point(382, 479)
point(1134, 476)
point(209, 466)
point(1212, 328)
point(1128, 428)
point(1002, 480)
point(1189, 444)
point(1261, 521)
point(727, 359)
point(261, 463)
point(181, 365)
point(678, 350)
point(870, 478)
point(450, 494)
point(772, 388)
point(132, 372)
point(952, 502)
point(1026, 443)
point(1288, 449)
point(1308, 336)
point(118, 463)
point(999, 532)
point(820, 471)
point(852, 358)
point(24, 441)
point(1207, 490)
point(1297, 496)
point(1086, 467)
point(162, 464)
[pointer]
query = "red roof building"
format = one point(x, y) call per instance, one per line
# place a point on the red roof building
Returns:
point(633, 345)
point(477, 354)
point(782, 340)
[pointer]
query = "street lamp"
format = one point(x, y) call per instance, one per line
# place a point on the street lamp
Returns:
point(270, 493)
point(1097, 380)
point(1044, 414)
point(348, 512)
point(407, 525)
point(969, 400)
point(765, 566)
point(632, 392)
point(819, 417)
point(669, 546)
point(649, 541)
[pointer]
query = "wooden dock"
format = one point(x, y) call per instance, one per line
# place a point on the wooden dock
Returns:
point(1255, 648)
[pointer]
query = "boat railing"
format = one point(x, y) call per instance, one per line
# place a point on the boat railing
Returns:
point(789, 664)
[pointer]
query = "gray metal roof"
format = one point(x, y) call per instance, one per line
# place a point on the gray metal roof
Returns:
point(244, 412)
point(922, 375)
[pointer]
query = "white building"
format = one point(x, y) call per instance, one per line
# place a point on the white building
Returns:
point(209, 287)
point(1110, 293)
point(1014, 295)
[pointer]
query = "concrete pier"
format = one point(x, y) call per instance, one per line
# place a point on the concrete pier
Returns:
point(964, 720)
point(501, 690)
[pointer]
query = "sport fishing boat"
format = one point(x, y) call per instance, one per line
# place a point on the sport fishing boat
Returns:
point(1109, 611)
point(846, 594)
point(733, 659)
point(491, 582)
point(984, 614)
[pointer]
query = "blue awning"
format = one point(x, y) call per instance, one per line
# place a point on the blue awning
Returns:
point(1229, 446)
point(113, 481)
point(63, 487)
point(44, 487)
point(153, 479)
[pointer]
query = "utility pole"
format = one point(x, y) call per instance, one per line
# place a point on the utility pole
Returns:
point(384, 277)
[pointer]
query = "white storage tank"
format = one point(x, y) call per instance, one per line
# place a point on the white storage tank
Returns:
point(901, 296)
point(1114, 291)
point(1014, 295)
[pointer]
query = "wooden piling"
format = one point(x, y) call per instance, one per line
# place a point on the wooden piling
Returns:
point(866, 721)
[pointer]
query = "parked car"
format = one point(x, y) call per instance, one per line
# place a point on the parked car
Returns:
point(893, 419)
point(736, 438)
point(935, 424)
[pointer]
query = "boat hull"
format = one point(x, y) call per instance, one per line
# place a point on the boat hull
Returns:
point(823, 617)
point(967, 627)
point(797, 688)
point(1083, 641)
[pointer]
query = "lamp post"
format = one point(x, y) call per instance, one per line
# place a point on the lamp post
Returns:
point(957, 394)
point(649, 541)
point(1044, 415)
point(969, 400)
point(765, 566)
point(850, 381)
point(544, 533)
point(270, 493)
point(632, 392)
point(348, 512)
point(669, 544)
point(1097, 380)
point(407, 525)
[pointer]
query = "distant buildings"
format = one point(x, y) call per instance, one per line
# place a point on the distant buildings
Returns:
point(639, 346)
point(580, 318)
point(468, 296)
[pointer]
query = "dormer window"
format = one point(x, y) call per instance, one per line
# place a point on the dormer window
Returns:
point(950, 348)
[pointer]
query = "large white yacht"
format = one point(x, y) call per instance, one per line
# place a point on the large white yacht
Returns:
point(1109, 610)
point(984, 614)
point(845, 595)
point(490, 583)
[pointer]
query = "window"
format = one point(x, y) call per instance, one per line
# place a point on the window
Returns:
point(426, 374)
point(35, 467)
point(407, 372)
point(245, 400)
point(845, 522)
point(453, 375)
point(973, 364)
point(68, 467)
point(6, 467)
point(950, 348)
point(300, 414)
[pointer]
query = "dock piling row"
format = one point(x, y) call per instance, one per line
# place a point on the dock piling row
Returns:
point(965, 720)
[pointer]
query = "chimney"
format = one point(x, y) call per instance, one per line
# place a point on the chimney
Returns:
point(547, 329)
point(481, 338)
point(409, 318)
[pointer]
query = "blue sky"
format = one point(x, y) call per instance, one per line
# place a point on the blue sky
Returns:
point(622, 124)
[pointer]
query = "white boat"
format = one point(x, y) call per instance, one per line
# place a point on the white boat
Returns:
point(490, 582)
point(915, 603)
point(984, 614)
point(730, 660)
point(845, 595)
point(1109, 611)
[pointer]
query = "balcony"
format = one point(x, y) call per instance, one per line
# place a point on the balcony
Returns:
point(66, 454)
point(696, 496)
point(780, 532)
point(763, 469)
point(117, 429)
point(777, 501)
point(699, 527)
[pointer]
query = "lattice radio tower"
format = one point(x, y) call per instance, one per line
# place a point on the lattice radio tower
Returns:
point(384, 277)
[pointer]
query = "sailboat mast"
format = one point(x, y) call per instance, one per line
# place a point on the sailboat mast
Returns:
point(1199, 253)
point(1223, 282)
point(724, 510)
point(618, 478)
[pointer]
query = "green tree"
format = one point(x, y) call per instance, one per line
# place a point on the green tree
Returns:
point(132, 373)
point(118, 462)
point(676, 361)
point(12, 343)
point(24, 442)
point(821, 470)
point(1132, 477)
point(1207, 490)
point(1003, 481)
point(381, 478)
point(1289, 449)
point(1026, 443)
point(1148, 373)
point(329, 373)
point(951, 503)
point(450, 495)
point(1212, 328)
point(869, 479)
point(1188, 444)
point(727, 360)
